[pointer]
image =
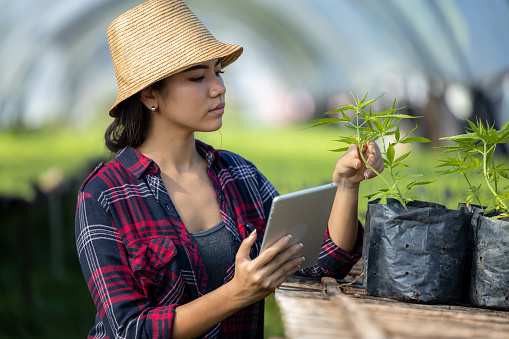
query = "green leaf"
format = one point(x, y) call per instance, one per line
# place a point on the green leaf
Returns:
point(414, 139)
point(367, 103)
point(411, 176)
point(503, 174)
point(462, 138)
point(403, 157)
point(378, 125)
point(375, 195)
point(396, 116)
point(396, 135)
point(346, 140)
point(342, 109)
point(494, 135)
point(394, 165)
point(489, 209)
point(362, 101)
point(413, 129)
point(342, 149)
point(419, 183)
point(473, 127)
point(326, 121)
point(505, 125)
point(390, 153)
point(392, 123)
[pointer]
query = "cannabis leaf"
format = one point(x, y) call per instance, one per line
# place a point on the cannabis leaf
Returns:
point(366, 126)
point(475, 151)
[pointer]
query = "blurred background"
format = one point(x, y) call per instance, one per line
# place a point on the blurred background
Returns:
point(443, 60)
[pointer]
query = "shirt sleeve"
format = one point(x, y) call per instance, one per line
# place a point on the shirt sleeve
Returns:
point(124, 309)
point(333, 261)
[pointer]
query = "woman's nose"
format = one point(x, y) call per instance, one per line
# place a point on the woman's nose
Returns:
point(218, 88)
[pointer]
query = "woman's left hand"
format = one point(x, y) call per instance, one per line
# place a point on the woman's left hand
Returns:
point(351, 170)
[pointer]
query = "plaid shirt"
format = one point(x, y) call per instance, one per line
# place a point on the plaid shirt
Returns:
point(139, 260)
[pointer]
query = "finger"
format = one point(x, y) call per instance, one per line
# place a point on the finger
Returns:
point(275, 279)
point(373, 157)
point(288, 270)
point(354, 156)
point(373, 148)
point(374, 160)
point(282, 259)
point(245, 246)
point(378, 166)
point(272, 251)
point(353, 151)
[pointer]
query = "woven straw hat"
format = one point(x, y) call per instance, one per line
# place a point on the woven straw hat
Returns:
point(158, 39)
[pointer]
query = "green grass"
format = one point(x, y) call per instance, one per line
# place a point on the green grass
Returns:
point(292, 158)
point(28, 156)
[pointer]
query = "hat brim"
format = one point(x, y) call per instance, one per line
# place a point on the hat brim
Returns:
point(227, 53)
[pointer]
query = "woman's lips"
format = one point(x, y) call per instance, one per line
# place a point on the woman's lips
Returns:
point(219, 109)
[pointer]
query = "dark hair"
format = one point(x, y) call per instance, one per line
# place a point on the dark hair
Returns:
point(132, 121)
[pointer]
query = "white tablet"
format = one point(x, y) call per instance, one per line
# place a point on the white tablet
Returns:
point(304, 215)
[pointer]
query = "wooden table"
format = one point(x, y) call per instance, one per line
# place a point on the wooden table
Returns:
point(328, 308)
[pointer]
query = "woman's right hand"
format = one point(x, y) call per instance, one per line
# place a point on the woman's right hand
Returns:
point(257, 278)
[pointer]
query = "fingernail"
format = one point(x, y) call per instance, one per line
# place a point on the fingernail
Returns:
point(370, 163)
point(288, 238)
point(303, 259)
point(366, 175)
point(253, 232)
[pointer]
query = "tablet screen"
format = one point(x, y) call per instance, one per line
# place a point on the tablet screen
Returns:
point(305, 216)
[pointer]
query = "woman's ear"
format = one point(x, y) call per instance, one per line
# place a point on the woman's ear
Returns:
point(148, 98)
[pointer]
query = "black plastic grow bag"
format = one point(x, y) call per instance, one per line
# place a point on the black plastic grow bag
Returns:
point(414, 254)
point(475, 212)
point(490, 267)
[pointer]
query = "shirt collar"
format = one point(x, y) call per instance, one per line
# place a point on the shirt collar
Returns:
point(137, 163)
point(208, 152)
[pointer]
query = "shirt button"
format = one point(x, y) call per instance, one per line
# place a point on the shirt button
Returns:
point(234, 238)
point(156, 279)
point(221, 196)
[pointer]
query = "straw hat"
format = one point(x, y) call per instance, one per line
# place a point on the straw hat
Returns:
point(157, 39)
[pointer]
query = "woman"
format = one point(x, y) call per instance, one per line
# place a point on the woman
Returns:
point(168, 232)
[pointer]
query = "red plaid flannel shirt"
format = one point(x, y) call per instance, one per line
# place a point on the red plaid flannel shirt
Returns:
point(140, 262)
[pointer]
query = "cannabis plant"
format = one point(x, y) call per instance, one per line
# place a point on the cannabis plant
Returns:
point(366, 125)
point(475, 155)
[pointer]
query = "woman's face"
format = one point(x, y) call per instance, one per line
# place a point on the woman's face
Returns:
point(193, 100)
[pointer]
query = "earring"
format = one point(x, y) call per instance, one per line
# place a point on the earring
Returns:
point(153, 108)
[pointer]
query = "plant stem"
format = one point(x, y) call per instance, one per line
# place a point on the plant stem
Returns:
point(485, 172)
point(473, 191)
point(391, 171)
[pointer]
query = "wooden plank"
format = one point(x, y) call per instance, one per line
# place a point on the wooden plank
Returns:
point(365, 327)
point(330, 309)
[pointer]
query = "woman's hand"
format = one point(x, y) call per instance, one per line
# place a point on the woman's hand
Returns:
point(255, 279)
point(351, 170)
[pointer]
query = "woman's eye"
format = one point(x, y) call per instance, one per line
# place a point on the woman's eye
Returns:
point(197, 79)
point(219, 73)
